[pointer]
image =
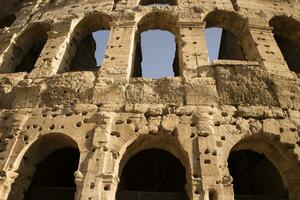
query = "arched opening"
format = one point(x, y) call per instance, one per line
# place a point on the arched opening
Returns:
point(87, 44)
point(23, 54)
point(286, 32)
point(7, 20)
point(46, 171)
point(255, 177)
point(158, 2)
point(225, 38)
point(152, 174)
point(53, 178)
point(156, 47)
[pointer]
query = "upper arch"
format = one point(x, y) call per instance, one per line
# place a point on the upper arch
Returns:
point(285, 26)
point(41, 147)
point(22, 44)
point(88, 24)
point(152, 20)
point(228, 20)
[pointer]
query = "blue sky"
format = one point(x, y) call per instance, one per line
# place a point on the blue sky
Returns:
point(158, 49)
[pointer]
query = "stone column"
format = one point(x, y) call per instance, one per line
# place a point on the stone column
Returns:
point(9, 174)
point(192, 47)
point(79, 178)
point(108, 187)
point(118, 59)
point(269, 52)
point(117, 64)
point(98, 184)
point(214, 184)
point(6, 181)
point(53, 53)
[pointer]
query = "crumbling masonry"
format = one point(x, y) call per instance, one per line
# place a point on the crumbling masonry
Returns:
point(222, 130)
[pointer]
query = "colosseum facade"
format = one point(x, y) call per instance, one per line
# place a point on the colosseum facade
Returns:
point(221, 130)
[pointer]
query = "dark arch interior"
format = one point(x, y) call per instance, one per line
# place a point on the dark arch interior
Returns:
point(286, 32)
point(290, 49)
point(84, 59)
point(230, 47)
point(30, 57)
point(7, 20)
point(88, 38)
point(152, 174)
point(254, 176)
point(86, 55)
point(234, 33)
point(53, 178)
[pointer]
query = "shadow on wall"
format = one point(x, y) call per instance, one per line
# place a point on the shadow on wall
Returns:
point(286, 32)
point(255, 177)
point(23, 55)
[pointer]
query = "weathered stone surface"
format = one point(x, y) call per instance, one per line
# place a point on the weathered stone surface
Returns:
point(246, 101)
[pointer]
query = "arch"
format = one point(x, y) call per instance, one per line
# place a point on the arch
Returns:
point(286, 32)
point(152, 22)
point(36, 158)
point(76, 57)
point(254, 175)
point(22, 54)
point(146, 142)
point(152, 172)
point(274, 156)
point(235, 35)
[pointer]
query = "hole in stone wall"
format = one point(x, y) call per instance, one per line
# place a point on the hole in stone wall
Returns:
point(254, 176)
point(213, 195)
point(223, 44)
point(158, 2)
point(156, 55)
point(7, 20)
point(286, 33)
point(152, 174)
point(53, 178)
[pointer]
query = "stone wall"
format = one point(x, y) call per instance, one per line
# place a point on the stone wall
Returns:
point(200, 116)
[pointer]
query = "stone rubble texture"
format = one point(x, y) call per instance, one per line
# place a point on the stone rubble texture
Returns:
point(253, 103)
